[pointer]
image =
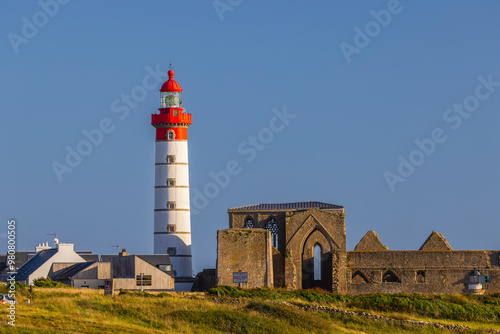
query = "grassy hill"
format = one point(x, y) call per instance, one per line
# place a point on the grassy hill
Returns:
point(227, 310)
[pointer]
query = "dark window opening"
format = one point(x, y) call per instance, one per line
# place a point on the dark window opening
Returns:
point(420, 276)
point(248, 222)
point(359, 278)
point(272, 226)
point(390, 277)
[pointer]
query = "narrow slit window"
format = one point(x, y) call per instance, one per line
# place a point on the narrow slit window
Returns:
point(317, 262)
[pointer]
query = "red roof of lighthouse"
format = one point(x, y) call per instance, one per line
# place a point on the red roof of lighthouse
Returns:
point(171, 85)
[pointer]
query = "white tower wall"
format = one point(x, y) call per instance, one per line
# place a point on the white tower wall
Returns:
point(172, 218)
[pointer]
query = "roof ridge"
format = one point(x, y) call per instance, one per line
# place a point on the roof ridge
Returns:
point(285, 206)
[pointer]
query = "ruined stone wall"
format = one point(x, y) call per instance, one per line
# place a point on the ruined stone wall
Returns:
point(237, 220)
point(245, 250)
point(304, 230)
point(419, 271)
point(278, 269)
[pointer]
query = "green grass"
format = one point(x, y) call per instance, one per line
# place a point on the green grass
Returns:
point(229, 310)
point(459, 307)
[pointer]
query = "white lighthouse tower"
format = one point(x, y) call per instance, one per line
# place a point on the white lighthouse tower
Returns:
point(172, 218)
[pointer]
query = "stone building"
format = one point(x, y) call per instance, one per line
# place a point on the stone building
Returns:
point(303, 245)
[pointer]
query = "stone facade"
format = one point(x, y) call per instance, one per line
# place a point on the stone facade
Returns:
point(303, 245)
point(245, 251)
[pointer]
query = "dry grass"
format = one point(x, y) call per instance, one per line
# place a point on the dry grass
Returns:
point(68, 310)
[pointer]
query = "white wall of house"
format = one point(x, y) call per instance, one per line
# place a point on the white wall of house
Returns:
point(65, 253)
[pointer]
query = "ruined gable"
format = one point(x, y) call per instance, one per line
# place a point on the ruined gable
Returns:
point(370, 243)
point(435, 242)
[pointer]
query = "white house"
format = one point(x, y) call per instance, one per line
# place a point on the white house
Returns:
point(40, 264)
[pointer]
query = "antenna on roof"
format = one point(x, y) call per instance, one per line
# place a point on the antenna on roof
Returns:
point(117, 246)
point(56, 241)
point(170, 65)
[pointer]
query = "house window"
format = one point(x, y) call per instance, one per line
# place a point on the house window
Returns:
point(165, 267)
point(170, 228)
point(170, 182)
point(100, 287)
point(171, 251)
point(272, 226)
point(170, 159)
point(248, 222)
point(171, 135)
point(171, 205)
point(145, 280)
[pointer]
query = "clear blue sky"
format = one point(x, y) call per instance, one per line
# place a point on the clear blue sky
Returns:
point(353, 119)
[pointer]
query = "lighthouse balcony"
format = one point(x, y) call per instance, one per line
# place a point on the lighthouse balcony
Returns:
point(170, 118)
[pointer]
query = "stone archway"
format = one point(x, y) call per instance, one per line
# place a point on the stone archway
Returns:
point(314, 239)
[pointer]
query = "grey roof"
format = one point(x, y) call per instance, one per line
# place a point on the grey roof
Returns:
point(153, 259)
point(89, 257)
point(72, 270)
point(34, 263)
point(297, 206)
point(20, 258)
point(156, 259)
point(107, 257)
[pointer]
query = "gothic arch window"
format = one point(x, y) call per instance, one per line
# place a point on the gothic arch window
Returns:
point(390, 277)
point(317, 262)
point(248, 222)
point(358, 278)
point(272, 226)
point(420, 276)
point(171, 135)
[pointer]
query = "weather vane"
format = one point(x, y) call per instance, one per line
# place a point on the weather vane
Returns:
point(170, 65)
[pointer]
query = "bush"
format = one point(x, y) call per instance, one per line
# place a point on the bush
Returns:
point(48, 283)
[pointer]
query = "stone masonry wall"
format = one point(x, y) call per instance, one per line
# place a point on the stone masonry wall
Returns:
point(419, 271)
point(245, 250)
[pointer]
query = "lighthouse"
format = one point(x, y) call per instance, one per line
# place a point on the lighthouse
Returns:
point(172, 218)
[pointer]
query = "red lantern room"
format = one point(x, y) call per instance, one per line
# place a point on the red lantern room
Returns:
point(171, 123)
point(170, 93)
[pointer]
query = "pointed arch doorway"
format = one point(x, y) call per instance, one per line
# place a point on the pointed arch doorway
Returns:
point(317, 261)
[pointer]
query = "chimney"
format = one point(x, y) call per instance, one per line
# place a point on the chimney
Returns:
point(41, 247)
point(123, 252)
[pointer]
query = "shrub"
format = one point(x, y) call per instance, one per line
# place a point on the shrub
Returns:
point(48, 283)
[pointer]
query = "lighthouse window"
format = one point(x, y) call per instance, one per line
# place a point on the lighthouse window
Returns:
point(171, 250)
point(170, 228)
point(170, 159)
point(171, 135)
point(175, 113)
point(170, 182)
point(171, 205)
